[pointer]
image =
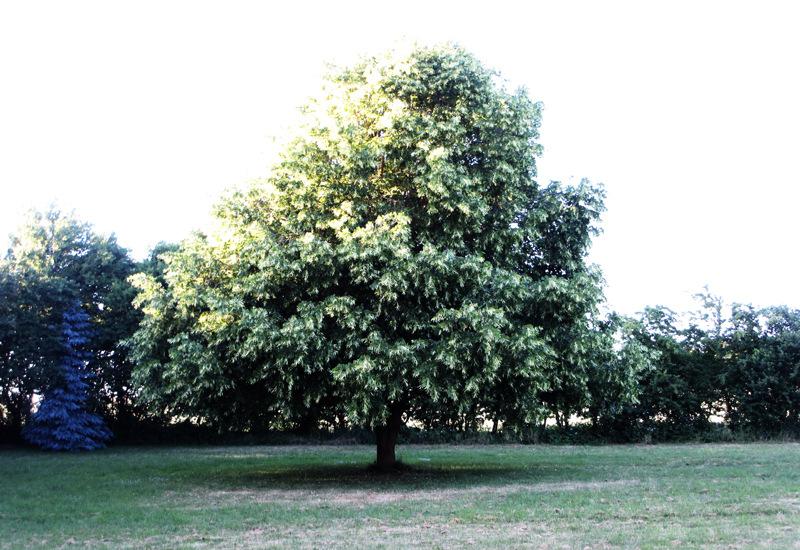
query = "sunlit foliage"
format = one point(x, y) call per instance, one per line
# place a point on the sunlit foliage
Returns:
point(400, 260)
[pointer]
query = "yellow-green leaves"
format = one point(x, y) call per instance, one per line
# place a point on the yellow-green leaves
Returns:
point(399, 259)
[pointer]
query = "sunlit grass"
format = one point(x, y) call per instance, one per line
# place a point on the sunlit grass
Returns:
point(700, 496)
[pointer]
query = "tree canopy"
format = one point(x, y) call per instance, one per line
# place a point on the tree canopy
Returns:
point(400, 260)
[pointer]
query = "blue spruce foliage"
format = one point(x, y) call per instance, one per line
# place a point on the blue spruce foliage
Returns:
point(62, 422)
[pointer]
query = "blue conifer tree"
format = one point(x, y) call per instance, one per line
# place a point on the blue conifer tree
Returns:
point(62, 422)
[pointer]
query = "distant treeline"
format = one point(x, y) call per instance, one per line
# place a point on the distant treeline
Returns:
point(724, 372)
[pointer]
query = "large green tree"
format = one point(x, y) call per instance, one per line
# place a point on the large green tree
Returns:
point(400, 259)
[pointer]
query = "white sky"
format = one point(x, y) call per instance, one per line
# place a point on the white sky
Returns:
point(138, 115)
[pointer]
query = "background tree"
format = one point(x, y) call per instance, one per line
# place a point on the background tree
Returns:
point(677, 395)
point(55, 259)
point(401, 259)
point(30, 342)
point(733, 365)
point(763, 378)
point(62, 421)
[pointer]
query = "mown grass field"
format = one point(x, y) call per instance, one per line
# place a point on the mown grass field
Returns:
point(497, 496)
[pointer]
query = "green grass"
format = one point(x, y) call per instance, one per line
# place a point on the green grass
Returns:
point(663, 496)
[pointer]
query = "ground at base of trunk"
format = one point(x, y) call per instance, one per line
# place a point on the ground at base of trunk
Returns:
point(397, 468)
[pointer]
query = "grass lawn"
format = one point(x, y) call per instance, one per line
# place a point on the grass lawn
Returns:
point(498, 496)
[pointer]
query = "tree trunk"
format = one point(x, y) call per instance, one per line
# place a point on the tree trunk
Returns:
point(19, 407)
point(387, 439)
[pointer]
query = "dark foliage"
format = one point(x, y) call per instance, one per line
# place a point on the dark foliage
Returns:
point(62, 422)
point(718, 375)
point(56, 260)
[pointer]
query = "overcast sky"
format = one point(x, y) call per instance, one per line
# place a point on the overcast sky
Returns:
point(138, 115)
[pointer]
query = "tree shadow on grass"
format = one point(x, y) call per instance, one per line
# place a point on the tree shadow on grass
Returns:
point(344, 477)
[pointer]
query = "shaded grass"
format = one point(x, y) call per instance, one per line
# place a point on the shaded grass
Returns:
point(692, 496)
